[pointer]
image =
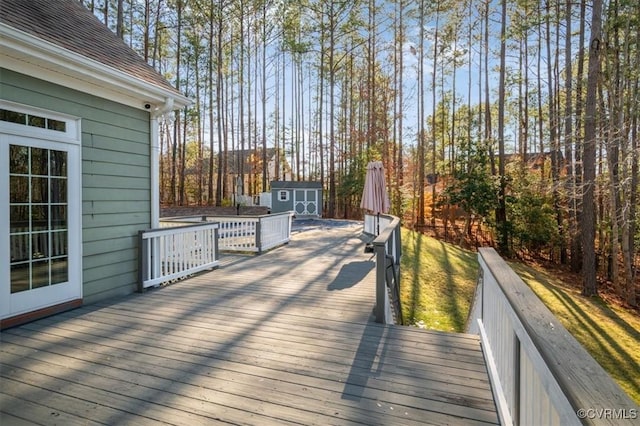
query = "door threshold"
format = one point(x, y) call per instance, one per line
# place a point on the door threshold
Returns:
point(40, 313)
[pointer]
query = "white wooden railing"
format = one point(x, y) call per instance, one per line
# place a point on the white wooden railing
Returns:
point(238, 233)
point(374, 223)
point(244, 233)
point(387, 247)
point(275, 230)
point(539, 373)
point(172, 253)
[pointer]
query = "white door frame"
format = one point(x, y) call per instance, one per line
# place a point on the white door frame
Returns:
point(67, 140)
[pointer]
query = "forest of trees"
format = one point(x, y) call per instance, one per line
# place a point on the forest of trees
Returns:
point(521, 114)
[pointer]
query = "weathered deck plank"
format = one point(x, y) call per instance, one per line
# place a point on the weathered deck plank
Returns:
point(282, 338)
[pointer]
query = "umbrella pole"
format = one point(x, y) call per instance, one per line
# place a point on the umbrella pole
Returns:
point(378, 224)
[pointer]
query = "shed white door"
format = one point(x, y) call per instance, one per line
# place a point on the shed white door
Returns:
point(305, 201)
point(40, 223)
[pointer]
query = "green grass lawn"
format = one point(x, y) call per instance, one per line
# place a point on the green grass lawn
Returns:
point(438, 283)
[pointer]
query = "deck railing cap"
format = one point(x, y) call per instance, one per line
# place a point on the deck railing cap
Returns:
point(584, 382)
point(387, 231)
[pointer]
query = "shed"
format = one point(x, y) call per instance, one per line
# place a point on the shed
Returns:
point(79, 114)
point(303, 198)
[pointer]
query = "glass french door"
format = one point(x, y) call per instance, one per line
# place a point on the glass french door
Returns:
point(40, 233)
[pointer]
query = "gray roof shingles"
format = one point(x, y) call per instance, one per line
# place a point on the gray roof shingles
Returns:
point(275, 185)
point(70, 25)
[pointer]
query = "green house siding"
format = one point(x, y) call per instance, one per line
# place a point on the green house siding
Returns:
point(115, 179)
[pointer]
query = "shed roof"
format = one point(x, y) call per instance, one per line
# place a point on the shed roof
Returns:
point(295, 185)
point(71, 27)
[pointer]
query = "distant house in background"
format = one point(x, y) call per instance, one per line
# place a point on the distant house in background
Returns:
point(303, 198)
point(249, 163)
point(537, 160)
point(78, 158)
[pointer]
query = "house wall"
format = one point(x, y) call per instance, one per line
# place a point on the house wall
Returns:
point(115, 179)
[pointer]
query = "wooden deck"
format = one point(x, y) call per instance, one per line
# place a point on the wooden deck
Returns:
point(286, 337)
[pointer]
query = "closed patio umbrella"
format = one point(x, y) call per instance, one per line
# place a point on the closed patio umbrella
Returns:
point(374, 195)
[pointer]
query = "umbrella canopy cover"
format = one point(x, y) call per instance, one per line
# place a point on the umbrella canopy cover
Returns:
point(374, 195)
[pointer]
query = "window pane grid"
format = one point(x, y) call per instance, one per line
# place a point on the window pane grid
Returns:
point(38, 217)
point(32, 120)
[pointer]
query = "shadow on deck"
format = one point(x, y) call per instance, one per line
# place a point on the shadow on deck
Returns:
point(286, 337)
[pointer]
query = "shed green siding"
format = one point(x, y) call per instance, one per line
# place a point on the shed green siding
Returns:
point(297, 191)
point(116, 179)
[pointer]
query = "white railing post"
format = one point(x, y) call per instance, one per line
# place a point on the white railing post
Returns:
point(387, 250)
point(258, 234)
point(382, 297)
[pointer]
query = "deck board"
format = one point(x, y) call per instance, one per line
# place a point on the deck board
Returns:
point(286, 337)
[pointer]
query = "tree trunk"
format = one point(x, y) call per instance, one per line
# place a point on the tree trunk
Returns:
point(433, 117)
point(400, 111)
point(332, 143)
point(553, 135)
point(576, 246)
point(210, 83)
point(147, 25)
point(263, 96)
point(488, 130)
point(501, 211)
point(219, 105)
point(157, 32)
point(589, 284)
point(629, 249)
point(421, 133)
point(541, 135)
point(241, 79)
point(120, 20)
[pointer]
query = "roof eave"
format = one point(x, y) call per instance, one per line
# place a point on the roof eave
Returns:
point(24, 53)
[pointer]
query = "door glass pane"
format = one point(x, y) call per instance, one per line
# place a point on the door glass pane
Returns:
point(40, 274)
point(19, 159)
point(39, 161)
point(35, 121)
point(58, 160)
point(58, 217)
point(13, 116)
point(311, 195)
point(40, 245)
point(59, 270)
point(20, 277)
point(57, 125)
point(19, 189)
point(38, 218)
point(58, 190)
point(40, 190)
point(20, 248)
point(59, 244)
point(19, 218)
